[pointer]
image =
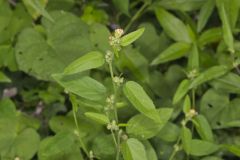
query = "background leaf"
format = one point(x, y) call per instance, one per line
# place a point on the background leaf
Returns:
point(133, 150)
point(169, 23)
point(175, 51)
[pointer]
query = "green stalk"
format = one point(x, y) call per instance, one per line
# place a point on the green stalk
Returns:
point(115, 88)
point(115, 91)
point(174, 150)
point(136, 16)
point(74, 106)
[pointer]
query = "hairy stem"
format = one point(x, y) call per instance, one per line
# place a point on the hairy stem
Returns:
point(115, 90)
point(74, 106)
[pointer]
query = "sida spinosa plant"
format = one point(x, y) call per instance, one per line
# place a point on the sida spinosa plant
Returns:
point(168, 90)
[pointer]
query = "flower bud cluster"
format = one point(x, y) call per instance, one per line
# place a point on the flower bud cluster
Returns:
point(110, 102)
point(109, 57)
point(191, 113)
point(113, 126)
point(115, 39)
point(192, 74)
point(118, 80)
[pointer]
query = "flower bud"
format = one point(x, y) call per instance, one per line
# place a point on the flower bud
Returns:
point(192, 113)
point(109, 56)
point(118, 33)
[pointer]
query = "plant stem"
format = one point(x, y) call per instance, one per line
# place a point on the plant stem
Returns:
point(74, 106)
point(136, 16)
point(118, 149)
point(115, 91)
point(114, 139)
point(174, 150)
point(193, 99)
point(173, 155)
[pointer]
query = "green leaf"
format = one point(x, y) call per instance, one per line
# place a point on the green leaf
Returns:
point(59, 147)
point(14, 139)
point(181, 91)
point(26, 144)
point(17, 20)
point(205, 13)
point(186, 105)
point(212, 73)
point(173, 26)
point(135, 62)
point(150, 151)
point(228, 83)
point(150, 37)
point(8, 123)
point(7, 57)
point(233, 149)
point(122, 6)
point(193, 58)
point(83, 86)
point(219, 111)
point(88, 61)
point(103, 146)
point(92, 14)
point(210, 36)
point(133, 149)
point(131, 37)
point(62, 123)
point(43, 55)
point(227, 33)
point(36, 8)
point(4, 78)
point(5, 13)
point(26, 121)
point(211, 158)
point(182, 5)
point(97, 117)
point(175, 51)
point(144, 127)
point(203, 128)
point(169, 133)
point(186, 137)
point(232, 10)
point(202, 148)
point(140, 100)
point(99, 35)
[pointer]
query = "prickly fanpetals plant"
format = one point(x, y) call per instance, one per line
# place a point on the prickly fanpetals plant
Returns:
point(166, 87)
point(108, 116)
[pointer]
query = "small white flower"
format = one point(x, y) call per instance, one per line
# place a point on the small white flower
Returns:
point(113, 126)
point(118, 32)
point(118, 80)
point(109, 57)
point(192, 113)
point(192, 74)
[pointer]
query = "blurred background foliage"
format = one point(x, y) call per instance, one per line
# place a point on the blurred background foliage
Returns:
point(183, 39)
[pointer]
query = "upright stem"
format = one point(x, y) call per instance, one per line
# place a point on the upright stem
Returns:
point(74, 106)
point(115, 88)
point(114, 139)
point(118, 149)
point(136, 16)
point(173, 154)
point(193, 99)
point(115, 91)
point(174, 150)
